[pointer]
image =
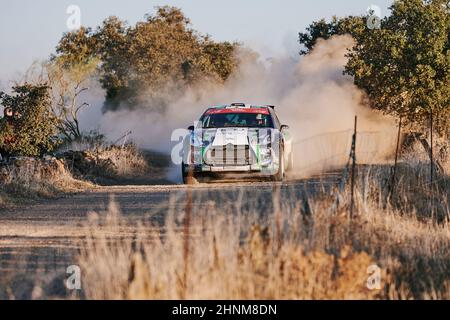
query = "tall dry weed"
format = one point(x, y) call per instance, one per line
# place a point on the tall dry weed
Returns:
point(291, 253)
point(32, 177)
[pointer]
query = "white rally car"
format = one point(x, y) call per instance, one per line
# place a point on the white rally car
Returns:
point(237, 140)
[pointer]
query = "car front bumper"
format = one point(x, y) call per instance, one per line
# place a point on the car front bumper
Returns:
point(256, 168)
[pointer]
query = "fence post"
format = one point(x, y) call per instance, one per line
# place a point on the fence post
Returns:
point(431, 166)
point(431, 149)
point(352, 198)
point(394, 171)
point(277, 209)
point(186, 232)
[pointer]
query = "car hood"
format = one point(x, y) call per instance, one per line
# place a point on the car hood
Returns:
point(234, 136)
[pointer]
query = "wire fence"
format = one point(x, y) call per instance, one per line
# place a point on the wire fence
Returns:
point(341, 151)
point(330, 151)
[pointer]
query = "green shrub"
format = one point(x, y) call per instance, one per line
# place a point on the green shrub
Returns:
point(32, 128)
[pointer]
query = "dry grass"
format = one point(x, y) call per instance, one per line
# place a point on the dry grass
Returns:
point(307, 249)
point(30, 178)
point(4, 199)
point(415, 154)
point(128, 160)
point(107, 162)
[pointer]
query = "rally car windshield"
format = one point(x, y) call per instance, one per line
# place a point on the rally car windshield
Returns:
point(221, 120)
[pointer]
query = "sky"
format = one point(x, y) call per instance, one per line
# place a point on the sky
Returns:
point(30, 29)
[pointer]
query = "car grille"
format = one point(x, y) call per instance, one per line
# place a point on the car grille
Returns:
point(229, 155)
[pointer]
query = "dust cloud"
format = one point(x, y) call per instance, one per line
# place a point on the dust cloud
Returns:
point(310, 93)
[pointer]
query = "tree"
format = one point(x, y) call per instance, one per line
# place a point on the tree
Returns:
point(116, 64)
point(404, 66)
point(325, 30)
point(32, 129)
point(76, 47)
point(152, 62)
point(68, 81)
point(220, 58)
point(68, 73)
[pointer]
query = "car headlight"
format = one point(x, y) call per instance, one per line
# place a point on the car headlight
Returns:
point(196, 141)
point(199, 139)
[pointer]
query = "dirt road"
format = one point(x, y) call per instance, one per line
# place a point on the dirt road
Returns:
point(41, 238)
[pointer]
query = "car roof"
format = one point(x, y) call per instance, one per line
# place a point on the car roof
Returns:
point(242, 105)
point(239, 108)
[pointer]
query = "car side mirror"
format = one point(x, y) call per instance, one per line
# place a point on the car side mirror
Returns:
point(284, 127)
point(191, 128)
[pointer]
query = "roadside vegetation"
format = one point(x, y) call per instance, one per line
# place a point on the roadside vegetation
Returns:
point(25, 178)
point(110, 162)
point(30, 178)
point(31, 139)
point(134, 64)
point(303, 249)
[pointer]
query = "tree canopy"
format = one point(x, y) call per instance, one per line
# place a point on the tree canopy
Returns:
point(155, 59)
point(404, 65)
point(324, 30)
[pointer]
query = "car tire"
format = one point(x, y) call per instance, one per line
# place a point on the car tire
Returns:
point(188, 178)
point(279, 176)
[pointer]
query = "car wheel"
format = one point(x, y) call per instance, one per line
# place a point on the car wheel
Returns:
point(279, 176)
point(188, 177)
